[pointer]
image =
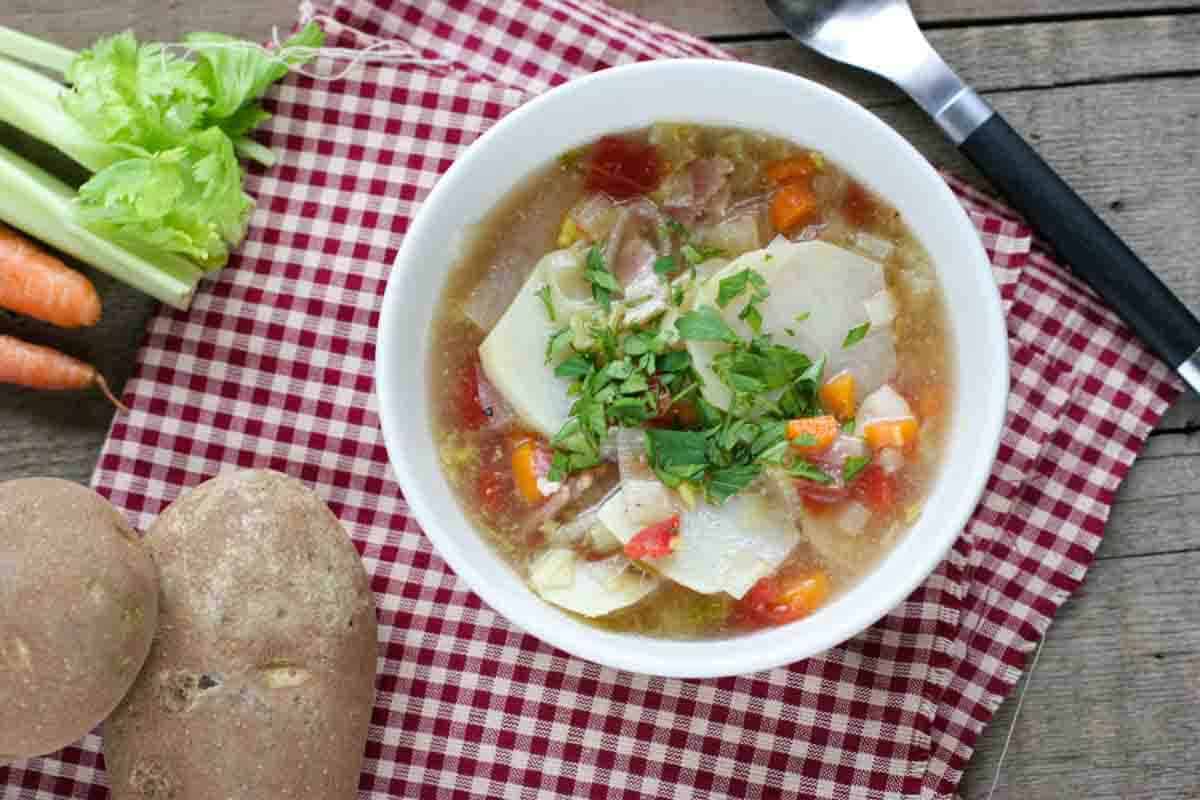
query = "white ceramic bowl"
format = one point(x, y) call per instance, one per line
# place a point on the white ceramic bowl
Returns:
point(717, 93)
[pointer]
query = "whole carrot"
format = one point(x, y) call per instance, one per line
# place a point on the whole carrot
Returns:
point(35, 283)
point(40, 367)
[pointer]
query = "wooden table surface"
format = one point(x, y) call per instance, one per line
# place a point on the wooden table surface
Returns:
point(1109, 91)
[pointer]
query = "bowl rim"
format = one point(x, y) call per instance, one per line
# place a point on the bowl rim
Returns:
point(600, 646)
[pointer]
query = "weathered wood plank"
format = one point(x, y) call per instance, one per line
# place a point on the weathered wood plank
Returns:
point(1111, 710)
point(746, 17)
point(75, 24)
point(1001, 57)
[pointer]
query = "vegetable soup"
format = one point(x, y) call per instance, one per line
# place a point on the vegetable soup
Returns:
point(691, 381)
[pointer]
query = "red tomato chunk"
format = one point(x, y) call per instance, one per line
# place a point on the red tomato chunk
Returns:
point(623, 168)
point(654, 541)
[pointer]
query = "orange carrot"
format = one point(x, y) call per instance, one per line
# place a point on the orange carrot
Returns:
point(812, 436)
point(35, 283)
point(786, 170)
point(39, 367)
point(793, 205)
point(837, 395)
point(899, 433)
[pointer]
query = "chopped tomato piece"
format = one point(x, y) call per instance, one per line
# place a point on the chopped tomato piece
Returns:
point(876, 489)
point(792, 206)
point(819, 497)
point(777, 601)
point(812, 436)
point(858, 206)
point(654, 541)
point(530, 462)
point(787, 170)
point(493, 491)
point(471, 412)
point(623, 168)
point(899, 433)
point(837, 395)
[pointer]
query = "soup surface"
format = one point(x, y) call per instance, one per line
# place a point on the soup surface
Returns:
point(691, 381)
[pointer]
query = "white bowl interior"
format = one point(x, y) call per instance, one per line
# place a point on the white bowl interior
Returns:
point(717, 93)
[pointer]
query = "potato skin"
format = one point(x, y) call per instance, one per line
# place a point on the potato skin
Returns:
point(78, 606)
point(261, 680)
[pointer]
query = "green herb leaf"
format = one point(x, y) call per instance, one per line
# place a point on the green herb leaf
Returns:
point(750, 314)
point(809, 471)
point(548, 302)
point(803, 316)
point(725, 483)
point(677, 228)
point(674, 361)
point(731, 287)
point(805, 439)
point(574, 367)
point(604, 283)
point(557, 343)
point(856, 334)
point(664, 266)
point(848, 426)
point(705, 325)
point(853, 466)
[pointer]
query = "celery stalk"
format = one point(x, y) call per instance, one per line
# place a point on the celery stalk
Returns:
point(32, 50)
point(39, 204)
point(29, 101)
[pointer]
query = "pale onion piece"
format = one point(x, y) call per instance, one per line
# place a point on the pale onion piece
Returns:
point(853, 518)
point(873, 246)
point(647, 499)
point(723, 548)
point(890, 460)
point(514, 359)
point(734, 236)
point(881, 308)
point(488, 300)
point(828, 283)
point(841, 552)
point(570, 292)
point(884, 403)
point(601, 539)
point(553, 569)
point(600, 587)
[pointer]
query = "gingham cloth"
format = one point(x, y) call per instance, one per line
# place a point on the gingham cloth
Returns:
point(272, 368)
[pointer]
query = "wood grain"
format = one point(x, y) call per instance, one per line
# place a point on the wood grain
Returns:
point(1111, 710)
point(1109, 91)
point(727, 18)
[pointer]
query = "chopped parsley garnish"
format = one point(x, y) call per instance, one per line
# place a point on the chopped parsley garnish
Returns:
point(853, 466)
point(548, 302)
point(809, 472)
point(698, 254)
point(856, 334)
point(603, 282)
point(803, 316)
point(705, 325)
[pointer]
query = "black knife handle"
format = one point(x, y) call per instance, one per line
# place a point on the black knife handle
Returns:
point(1083, 240)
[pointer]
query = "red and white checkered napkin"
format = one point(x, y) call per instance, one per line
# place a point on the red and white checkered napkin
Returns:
point(272, 368)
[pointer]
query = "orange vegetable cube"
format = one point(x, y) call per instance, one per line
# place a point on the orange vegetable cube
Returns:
point(812, 436)
point(898, 433)
point(837, 395)
point(530, 462)
point(792, 206)
point(786, 170)
point(776, 600)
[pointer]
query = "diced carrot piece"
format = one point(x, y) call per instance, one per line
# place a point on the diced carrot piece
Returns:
point(837, 395)
point(876, 489)
point(812, 436)
point(793, 205)
point(786, 170)
point(898, 433)
point(931, 400)
point(654, 541)
point(530, 461)
point(777, 601)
